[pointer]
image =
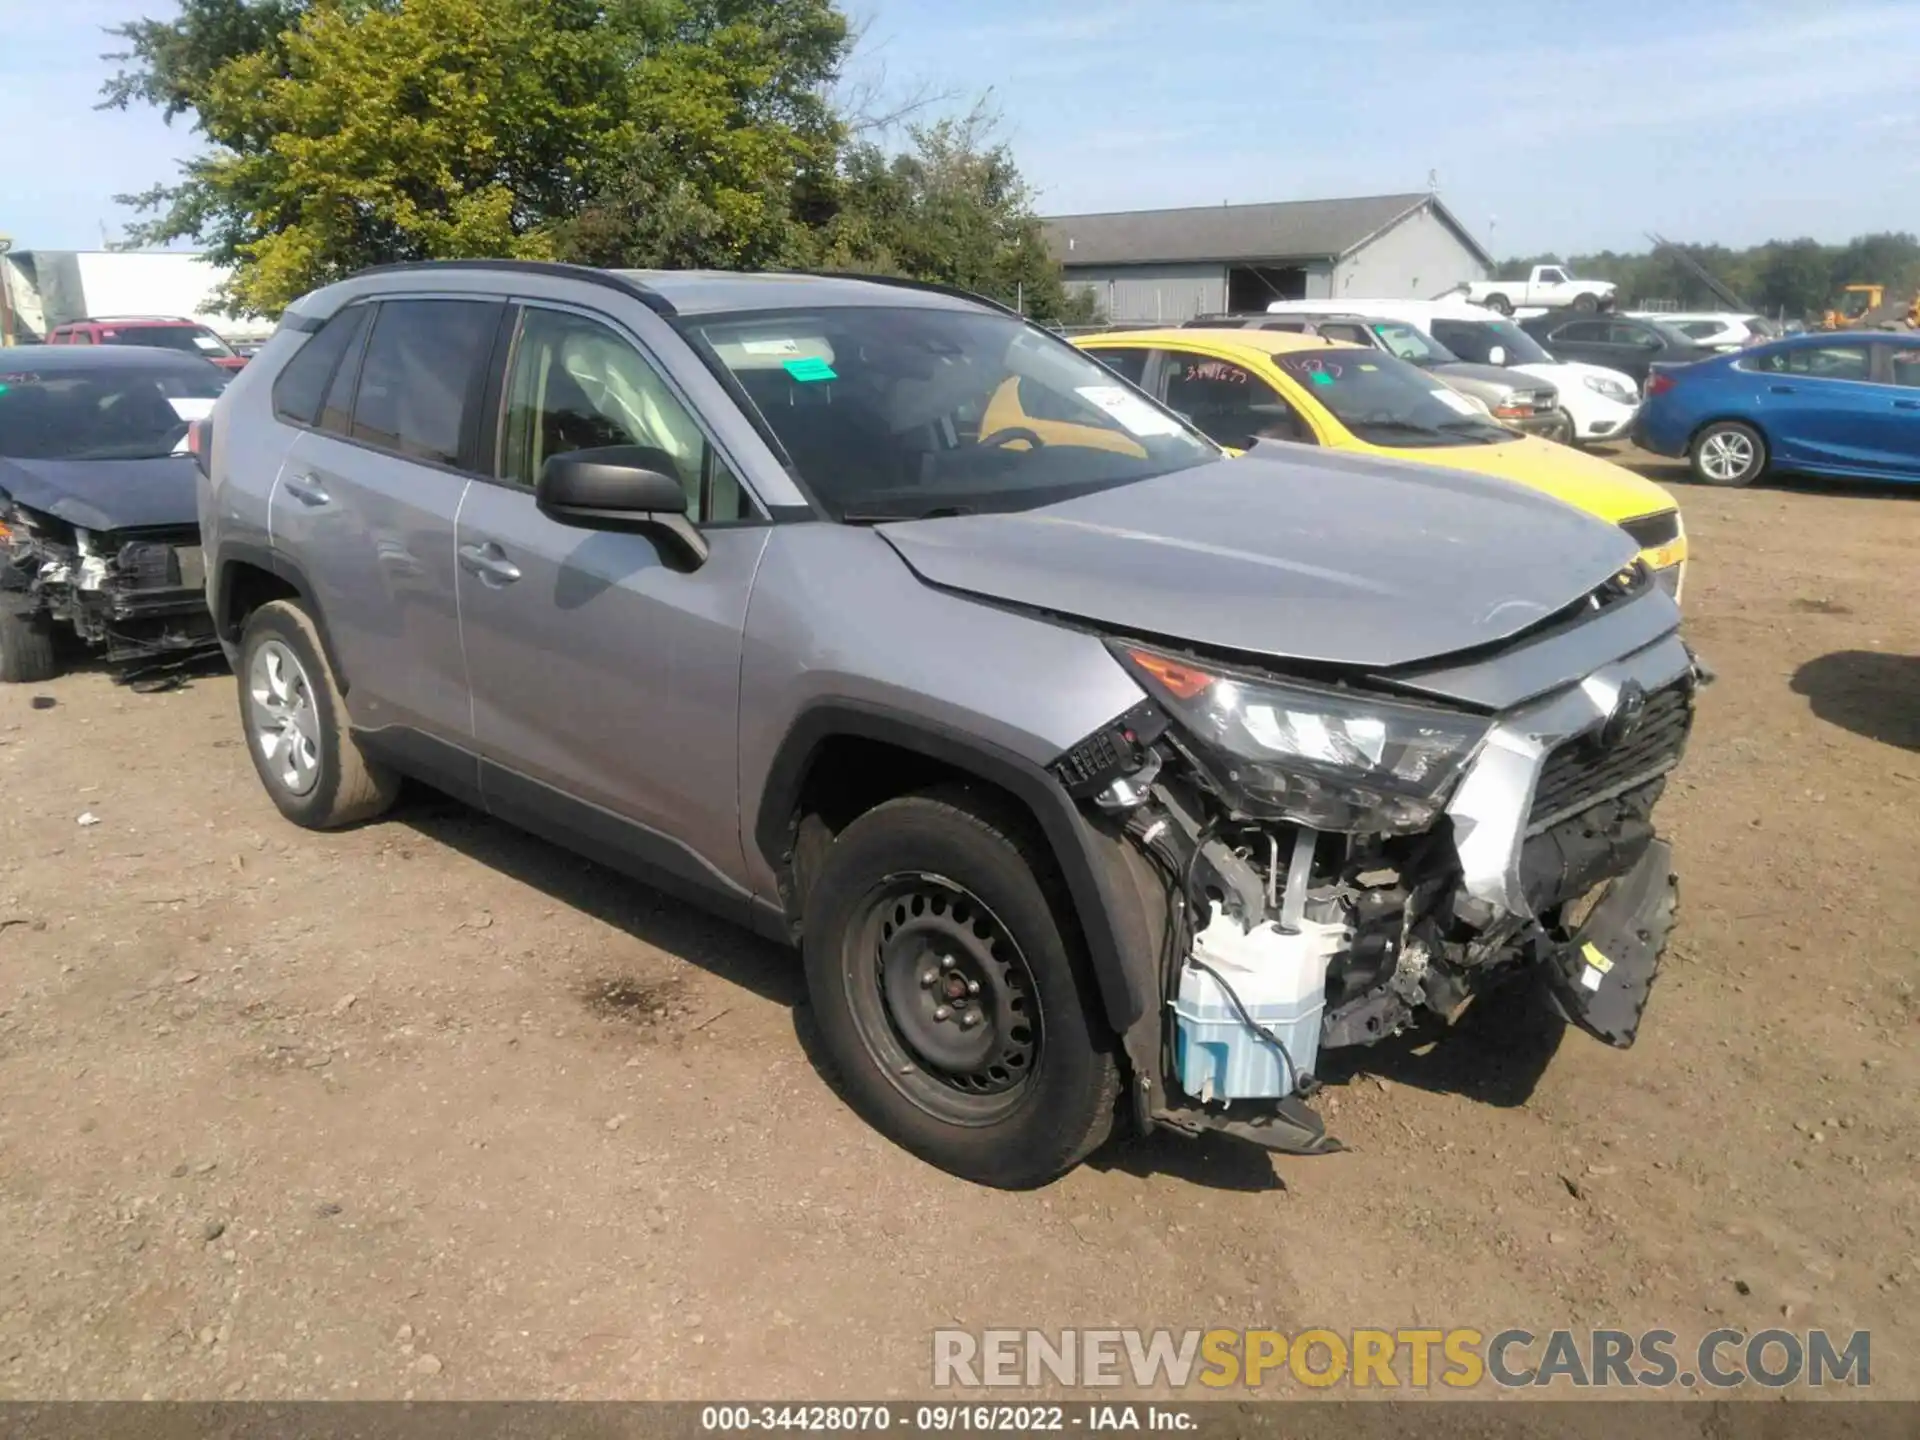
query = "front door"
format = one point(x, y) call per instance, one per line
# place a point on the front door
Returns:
point(1823, 408)
point(606, 681)
point(1227, 403)
point(367, 498)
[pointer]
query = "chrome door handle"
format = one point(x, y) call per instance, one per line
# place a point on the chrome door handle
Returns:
point(307, 490)
point(489, 562)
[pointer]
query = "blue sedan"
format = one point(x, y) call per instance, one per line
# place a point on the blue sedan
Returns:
point(1830, 404)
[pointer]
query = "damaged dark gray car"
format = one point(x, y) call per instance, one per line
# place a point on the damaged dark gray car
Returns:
point(99, 536)
point(1103, 781)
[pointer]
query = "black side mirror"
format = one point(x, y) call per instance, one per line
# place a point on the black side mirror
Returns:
point(628, 488)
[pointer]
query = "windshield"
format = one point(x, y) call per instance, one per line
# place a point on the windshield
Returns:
point(102, 414)
point(1475, 340)
point(1384, 401)
point(1411, 344)
point(889, 412)
point(194, 339)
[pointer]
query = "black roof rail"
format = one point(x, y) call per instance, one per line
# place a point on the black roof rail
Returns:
point(905, 282)
point(645, 294)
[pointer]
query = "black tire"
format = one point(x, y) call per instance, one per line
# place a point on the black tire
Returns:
point(1499, 303)
point(345, 787)
point(29, 653)
point(1716, 449)
point(952, 877)
point(1586, 303)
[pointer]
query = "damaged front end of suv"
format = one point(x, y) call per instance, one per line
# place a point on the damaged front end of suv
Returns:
point(1346, 856)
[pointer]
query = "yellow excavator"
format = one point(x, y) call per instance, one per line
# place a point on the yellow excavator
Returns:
point(1864, 307)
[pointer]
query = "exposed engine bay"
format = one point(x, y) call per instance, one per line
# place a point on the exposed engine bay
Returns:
point(1343, 865)
point(135, 595)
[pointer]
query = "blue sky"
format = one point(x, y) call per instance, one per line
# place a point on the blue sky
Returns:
point(1551, 125)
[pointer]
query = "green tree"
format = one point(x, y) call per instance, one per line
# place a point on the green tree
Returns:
point(952, 208)
point(734, 141)
point(344, 133)
point(1794, 277)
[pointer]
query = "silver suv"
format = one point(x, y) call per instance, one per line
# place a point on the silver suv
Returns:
point(1101, 780)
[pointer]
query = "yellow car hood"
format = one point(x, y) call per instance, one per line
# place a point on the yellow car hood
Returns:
point(1598, 486)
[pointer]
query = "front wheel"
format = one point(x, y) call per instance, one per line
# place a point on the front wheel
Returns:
point(1728, 453)
point(1586, 304)
point(28, 654)
point(944, 972)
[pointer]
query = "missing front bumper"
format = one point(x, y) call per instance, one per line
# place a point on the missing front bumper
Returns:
point(1600, 980)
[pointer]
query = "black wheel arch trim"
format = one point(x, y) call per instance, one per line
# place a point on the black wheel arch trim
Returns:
point(1121, 955)
point(272, 562)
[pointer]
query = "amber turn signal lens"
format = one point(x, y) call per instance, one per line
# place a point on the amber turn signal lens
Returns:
point(1183, 682)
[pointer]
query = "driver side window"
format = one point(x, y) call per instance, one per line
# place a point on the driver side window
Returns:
point(575, 384)
point(1228, 403)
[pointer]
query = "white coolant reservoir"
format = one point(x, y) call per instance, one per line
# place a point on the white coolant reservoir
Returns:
point(1280, 980)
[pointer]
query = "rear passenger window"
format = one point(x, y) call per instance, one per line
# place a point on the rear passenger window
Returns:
point(419, 366)
point(298, 388)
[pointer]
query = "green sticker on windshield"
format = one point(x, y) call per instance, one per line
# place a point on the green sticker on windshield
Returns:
point(1320, 377)
point(812, 369)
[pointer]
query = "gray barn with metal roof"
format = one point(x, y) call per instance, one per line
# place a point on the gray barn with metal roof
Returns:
point(1170, 265)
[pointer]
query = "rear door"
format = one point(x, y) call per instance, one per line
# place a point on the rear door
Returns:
point(366, 504)
point(1903, 376)
point(606, 678)
point(1588, 340)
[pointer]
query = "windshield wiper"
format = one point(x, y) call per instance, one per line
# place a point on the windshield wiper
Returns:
point(883, 517)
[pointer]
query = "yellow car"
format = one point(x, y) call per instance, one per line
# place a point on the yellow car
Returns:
point(1239, 386)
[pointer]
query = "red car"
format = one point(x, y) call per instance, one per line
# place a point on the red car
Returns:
point(157, 332)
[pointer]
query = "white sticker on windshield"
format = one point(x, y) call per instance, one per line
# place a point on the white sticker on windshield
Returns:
point(786, 346)
point(191, 410)
point(1455, 401)
point(1135, 414)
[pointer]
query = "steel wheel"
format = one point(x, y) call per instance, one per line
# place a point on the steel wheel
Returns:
point(942, 998)
point(282, 718)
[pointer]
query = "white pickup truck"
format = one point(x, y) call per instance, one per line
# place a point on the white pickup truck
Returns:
point(1548, 288)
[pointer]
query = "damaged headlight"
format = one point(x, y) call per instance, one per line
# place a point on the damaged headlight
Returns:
point(1329, 759)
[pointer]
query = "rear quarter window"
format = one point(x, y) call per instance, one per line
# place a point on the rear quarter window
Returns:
point(303, 381)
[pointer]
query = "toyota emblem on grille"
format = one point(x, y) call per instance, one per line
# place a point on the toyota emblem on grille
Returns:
point(1628, 711)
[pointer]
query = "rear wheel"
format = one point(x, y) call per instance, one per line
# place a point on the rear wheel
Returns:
point(28, 654)
point(943, 968)
point(1499, 303)
point(296, 723)
point(1728, 453)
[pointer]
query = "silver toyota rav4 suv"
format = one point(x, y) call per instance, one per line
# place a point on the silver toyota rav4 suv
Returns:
point(1103, 782)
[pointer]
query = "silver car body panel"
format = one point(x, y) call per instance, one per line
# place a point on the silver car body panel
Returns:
point(1289, 552)
point(607, 675)
point(836, 617)
point(1557, 657)
point(1491, 805)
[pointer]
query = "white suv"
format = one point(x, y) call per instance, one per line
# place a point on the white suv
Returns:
point(1601, 403)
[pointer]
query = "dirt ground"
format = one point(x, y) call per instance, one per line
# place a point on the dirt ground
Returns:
point(432, 1108)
